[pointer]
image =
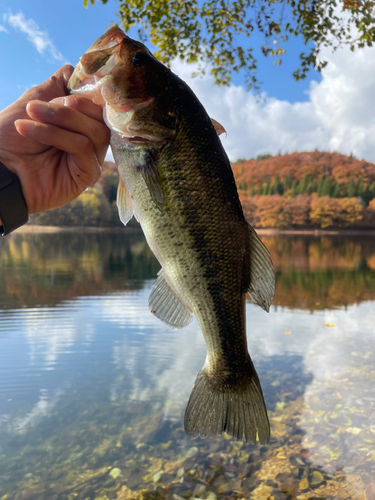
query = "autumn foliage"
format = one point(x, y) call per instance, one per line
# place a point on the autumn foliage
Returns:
point(295, 166)
point(302, 190)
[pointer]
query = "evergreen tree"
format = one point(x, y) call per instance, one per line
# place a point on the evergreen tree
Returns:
point(351, 188)
point(266, 188)
point(360, 187)
point(312, 186)
point(303, 185)
point(277, 187)
point(294, 189)
point(372, 189)
point(288, 181)
point(260, 188)
point(327, 187)
point(336, 190)
point(252, 190)
point(320, 185)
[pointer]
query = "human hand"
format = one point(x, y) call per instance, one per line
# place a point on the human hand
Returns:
point(53, 142)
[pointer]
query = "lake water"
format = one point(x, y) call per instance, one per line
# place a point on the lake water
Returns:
point(93, 387)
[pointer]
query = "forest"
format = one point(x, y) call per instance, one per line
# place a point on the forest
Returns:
point(299, 190)
point(307, 190)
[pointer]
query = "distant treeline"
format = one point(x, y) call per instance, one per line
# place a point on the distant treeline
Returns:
point(299, 190)
point(326, 174)
point(306, 211)
point(320, 190)
point(324, 186)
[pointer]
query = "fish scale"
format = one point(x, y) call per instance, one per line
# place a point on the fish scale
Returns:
point(177, 180)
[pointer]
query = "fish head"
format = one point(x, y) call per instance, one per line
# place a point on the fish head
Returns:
point(124, 77)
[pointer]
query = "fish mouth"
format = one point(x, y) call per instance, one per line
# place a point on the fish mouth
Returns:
point(86, 85)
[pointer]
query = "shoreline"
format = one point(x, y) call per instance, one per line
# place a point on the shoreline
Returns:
point(315, 232)
point(33, 229)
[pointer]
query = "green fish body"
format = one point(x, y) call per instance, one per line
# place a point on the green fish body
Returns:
point(177, 181)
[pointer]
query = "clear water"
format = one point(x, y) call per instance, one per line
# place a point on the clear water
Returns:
point(93, 387)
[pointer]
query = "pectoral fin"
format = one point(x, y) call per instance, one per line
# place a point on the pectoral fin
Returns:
point(125, 209)
point(165, 304)
point(262, 274)
point(153, 181)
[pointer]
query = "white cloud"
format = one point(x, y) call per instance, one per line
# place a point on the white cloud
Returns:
point(2, 28)
point(35, 35)
point(339, 115)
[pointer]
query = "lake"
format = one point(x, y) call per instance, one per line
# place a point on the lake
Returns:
point(93, 387)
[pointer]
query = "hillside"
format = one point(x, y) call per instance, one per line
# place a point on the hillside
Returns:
point(294, 167)
point(307, 190)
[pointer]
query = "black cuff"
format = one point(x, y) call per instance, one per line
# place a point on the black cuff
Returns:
point(13, 207)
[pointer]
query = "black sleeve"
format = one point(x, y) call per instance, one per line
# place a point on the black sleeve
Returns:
point(13, 208)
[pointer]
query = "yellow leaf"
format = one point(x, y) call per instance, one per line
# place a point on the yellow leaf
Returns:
point(329, 324)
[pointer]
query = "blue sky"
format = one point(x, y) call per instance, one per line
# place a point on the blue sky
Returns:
point(332, 111)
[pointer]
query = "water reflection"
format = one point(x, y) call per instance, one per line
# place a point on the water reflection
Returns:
point(93, 387)
point(322, 272)
point(44, 269)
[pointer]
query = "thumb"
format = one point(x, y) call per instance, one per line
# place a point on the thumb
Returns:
point(55, 86)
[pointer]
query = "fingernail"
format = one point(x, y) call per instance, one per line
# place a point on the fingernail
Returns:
point(25, 125)
point(38, 107)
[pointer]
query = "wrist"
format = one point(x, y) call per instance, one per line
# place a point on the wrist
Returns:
point(13, 207)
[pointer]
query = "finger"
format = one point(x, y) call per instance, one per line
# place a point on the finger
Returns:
point(72, 120)
point(55, 86)
point(82, 104)
point(79, 146)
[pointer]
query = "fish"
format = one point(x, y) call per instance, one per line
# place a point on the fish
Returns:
point(177, 181)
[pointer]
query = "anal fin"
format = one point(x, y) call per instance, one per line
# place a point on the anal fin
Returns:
point(262, 273)
point(166, 305)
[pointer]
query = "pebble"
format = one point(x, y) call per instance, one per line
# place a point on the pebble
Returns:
point(191, 452)
point(349, 469)
point(115, 472)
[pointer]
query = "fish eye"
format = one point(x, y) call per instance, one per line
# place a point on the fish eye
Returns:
point(140, 59)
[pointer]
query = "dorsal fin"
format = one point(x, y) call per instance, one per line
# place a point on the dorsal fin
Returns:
point(218, 127)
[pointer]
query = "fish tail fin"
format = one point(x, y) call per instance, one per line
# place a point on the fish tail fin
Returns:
point(231, 404)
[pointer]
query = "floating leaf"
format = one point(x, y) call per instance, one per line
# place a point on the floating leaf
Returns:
point(329, 324)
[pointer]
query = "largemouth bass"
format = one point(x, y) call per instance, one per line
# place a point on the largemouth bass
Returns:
point(177, 181)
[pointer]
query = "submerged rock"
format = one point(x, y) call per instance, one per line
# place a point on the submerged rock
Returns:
point(115, 472)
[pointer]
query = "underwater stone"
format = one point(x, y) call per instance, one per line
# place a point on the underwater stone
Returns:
point(115, 472)
point(191, 452)
point(157, 476)
point(180, 472)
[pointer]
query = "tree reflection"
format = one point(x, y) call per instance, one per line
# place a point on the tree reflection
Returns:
point(47, 268)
